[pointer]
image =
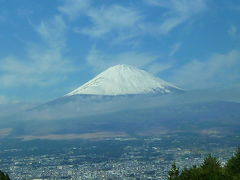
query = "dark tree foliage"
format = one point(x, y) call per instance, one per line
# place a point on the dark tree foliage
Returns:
point(232, 167)
point(174, 172)
point(211, 169)
point(4, 176)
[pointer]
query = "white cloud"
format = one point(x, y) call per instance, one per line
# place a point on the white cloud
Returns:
point(106, 19)
point(121, 22)
point(73, 8)
point(175, 48)
point(217, 70)
point(44, 64)
point(177, 13)
point(100, 61)
point(125, 23)
point(156, 68)
point(39, 69)
point(53, 32)
point(103, 19)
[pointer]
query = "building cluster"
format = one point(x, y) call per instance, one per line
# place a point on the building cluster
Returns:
point(137, 162)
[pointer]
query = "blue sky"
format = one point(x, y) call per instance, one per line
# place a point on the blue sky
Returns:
point(48, 48)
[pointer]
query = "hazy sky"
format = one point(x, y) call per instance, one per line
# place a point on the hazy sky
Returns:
point(50, 47)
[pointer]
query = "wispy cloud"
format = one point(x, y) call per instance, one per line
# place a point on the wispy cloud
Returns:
point(73, 8)
point(117, 18)
point(157, 67)
point(177, 13)
point(112, 18)
point(103, 19)
point(53, 32)
point(44, 63)
point(42, 69)
point(123, 23)
point(100, 61)
point(175, 48)
point(217, 70)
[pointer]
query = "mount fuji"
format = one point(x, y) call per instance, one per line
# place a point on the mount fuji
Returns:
point(124, 80)
point(113, 85)
point(130, 101)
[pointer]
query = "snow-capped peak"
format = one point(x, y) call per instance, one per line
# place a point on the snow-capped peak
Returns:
point(124, 80)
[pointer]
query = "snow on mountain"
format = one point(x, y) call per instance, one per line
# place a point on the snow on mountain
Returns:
point(124, 80)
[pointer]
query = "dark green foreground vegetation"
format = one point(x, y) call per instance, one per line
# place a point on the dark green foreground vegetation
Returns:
point(211, 169)
point(3, 176)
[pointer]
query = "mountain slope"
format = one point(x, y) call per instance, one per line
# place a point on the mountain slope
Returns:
point(124, 80)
